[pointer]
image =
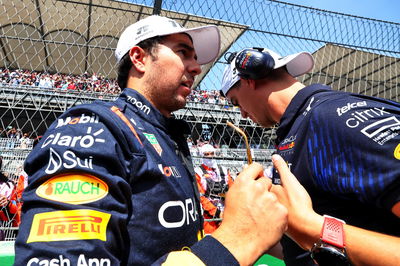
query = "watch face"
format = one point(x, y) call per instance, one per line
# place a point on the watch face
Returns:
point(326, 255)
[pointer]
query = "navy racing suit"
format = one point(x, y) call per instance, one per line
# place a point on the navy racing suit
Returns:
point(112, 183)
point(344, 148)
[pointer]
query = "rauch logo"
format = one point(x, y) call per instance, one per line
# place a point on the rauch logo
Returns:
point(73, 188)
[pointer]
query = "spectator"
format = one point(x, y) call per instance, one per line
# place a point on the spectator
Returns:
point(213, 182)
point(8, 205)
point(12, 136)
point(25, 141)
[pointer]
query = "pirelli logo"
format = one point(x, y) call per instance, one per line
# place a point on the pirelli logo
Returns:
point(69, 225)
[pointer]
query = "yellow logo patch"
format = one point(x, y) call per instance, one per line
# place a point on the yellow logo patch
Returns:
point(397, 152)
point(73, 188)
point(69, 225)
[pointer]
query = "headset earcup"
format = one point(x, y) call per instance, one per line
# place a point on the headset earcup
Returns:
point(254, 64)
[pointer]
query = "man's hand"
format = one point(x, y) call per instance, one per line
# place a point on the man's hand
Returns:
point(304, 224)
point(254, 220)
point(3, 200)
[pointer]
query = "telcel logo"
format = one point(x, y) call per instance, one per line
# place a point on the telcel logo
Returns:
point(73, 188)
point(349, 106)
point(69, 225)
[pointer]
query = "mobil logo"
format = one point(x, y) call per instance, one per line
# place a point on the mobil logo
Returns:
point(83, 119)
point(73, 188)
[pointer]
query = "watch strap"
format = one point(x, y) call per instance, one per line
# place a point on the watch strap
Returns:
point(333, 232)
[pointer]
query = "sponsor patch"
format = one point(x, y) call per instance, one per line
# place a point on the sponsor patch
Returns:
point(153, 141)
point(375, 123)
point(83, 119)
point(68, 160)
point(76, 188)
point(169, 171)
point(175, 214)
point(60, 260)
point(139, 105)
point(69, 225)
point(344, 109)
point(397, 152)
point(83, 141)
point(287, 146)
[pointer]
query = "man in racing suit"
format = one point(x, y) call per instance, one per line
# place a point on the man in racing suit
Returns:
point(112, 183)
point(343, 148)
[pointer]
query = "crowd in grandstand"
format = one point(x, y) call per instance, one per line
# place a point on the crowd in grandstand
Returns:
point(95, 83)
point(63, 82)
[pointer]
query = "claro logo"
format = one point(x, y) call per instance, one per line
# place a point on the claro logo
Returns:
point(83, 141)
point(73, 188)
point(69, 225)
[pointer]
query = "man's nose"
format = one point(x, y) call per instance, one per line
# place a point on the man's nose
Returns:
point(194, 68)
point(243, 113)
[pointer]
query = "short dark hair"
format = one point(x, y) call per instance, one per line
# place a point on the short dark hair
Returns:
point(149, 45)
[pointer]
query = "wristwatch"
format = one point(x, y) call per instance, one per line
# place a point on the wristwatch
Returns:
point(330, 249)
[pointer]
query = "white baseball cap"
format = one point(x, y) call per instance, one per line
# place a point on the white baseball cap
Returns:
point(206, 39)
point(207, 148)
point(296, 65)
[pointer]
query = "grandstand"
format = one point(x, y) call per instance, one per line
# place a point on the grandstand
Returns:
point(56, 54)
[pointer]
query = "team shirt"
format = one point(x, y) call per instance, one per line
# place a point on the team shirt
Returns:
point(344, 148)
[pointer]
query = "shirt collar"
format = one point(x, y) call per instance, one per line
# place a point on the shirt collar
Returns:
point(145, 110)
point(296, 106)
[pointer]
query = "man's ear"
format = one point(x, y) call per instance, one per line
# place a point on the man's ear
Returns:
point(137, 56)
point(251, 83)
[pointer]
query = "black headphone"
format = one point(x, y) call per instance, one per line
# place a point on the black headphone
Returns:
point(253, 63)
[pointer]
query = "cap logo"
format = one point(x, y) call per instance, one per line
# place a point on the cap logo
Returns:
point(175, 24)
point(142, 29)
point(234, 70)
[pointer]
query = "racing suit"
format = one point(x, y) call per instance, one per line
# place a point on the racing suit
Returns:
point(113, 184)
point(344, 149)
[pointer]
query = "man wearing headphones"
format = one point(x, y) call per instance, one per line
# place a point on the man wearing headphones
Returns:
point(342, 147)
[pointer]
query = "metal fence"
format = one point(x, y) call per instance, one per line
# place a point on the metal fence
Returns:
point(48, 45)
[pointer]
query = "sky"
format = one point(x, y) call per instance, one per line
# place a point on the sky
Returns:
point(387, 10)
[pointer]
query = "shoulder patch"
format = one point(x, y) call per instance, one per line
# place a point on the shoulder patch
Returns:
point(73, 188)
point(69, 225)
point(397, 152)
